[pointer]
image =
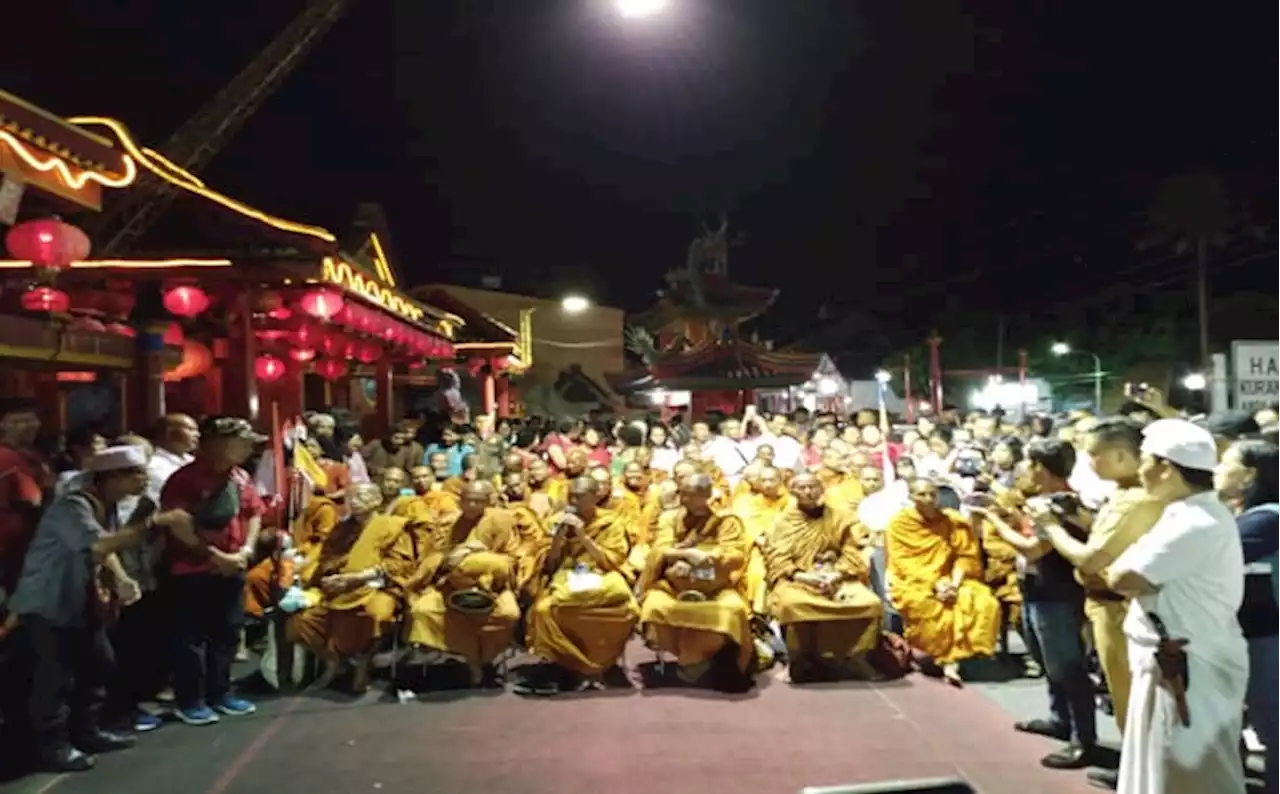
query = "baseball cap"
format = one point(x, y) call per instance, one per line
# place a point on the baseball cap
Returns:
point(1181, 442)
point(116, 458)
point(1231, 425)
point(230, 427)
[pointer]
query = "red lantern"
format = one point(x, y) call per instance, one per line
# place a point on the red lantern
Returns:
point(280, 313)
point(186, 301)
point(196, 361)
point(120, 329)
point(301, 354)
point(322, 304)
point(47, 243)
point(334, 344)
point(45, 299)
point(307, 334)
point(269, 369)
point(173, 335)
point(331, 369)
point(369, 352)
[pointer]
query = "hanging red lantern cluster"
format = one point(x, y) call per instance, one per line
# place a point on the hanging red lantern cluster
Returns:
point(268, 368)
point(331, 369)
point(186, 300)
point(45, 299)
point(301, 354)
point(48, 243)
point(323, 304)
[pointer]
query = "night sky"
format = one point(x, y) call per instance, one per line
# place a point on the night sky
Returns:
point(908, 162)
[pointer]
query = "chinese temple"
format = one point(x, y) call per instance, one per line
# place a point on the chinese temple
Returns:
point(491, 352)
point(220, 306)
point(695, 356)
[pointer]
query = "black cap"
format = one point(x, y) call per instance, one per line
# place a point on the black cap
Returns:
point(1231, 425)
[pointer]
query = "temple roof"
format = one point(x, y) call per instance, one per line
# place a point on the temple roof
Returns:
point(732, 364)
point(479, 328)
point(721, 299)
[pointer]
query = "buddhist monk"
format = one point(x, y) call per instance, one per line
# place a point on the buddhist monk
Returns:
point(759, 510)
point(935, 580)
point(831, 471)
point(362, 569)
point(528, 512)
point(819, 588)
point(583, 612)
point(470, 610)
point(693, 599)
point(398, 500)
point(644, 457)
point(318, 518)
point(576, 462)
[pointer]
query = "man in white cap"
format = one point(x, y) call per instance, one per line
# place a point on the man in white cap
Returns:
point(1189, 659)
point(63, 625)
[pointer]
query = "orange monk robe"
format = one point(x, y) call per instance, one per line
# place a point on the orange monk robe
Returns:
point(921, 553)
point(489, 566)
point(310, 529)
point(845, 494)
point(759, 514)
point(580, 622)
point(830, 478)
point(1000, 559)
point(721, 492)
point(557, 487)
point(410, 506)
point(532, 539)
point(628, 506)
point(349, 624)
point(695, 631)
point(836, 626)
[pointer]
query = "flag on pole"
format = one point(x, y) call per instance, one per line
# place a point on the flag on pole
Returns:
point(886, 460)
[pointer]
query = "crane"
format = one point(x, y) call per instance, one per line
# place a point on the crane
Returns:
point(205, 133)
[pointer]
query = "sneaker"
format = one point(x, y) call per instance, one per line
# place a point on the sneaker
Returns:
point(144, 722)
point(197, 715)
point(234, 706)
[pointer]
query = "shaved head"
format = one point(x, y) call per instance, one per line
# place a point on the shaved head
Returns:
point(696, 482)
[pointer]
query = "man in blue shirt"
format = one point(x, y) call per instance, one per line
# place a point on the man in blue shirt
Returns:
point(452, 446)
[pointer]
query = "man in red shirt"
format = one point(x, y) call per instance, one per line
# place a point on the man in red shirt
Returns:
point(204, 568)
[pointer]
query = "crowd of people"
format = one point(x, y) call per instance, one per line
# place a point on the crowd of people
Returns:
point(1140, 546)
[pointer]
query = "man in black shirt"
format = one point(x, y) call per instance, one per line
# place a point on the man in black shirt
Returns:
point(1053, 612)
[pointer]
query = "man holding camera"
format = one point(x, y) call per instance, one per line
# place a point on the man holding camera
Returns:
point(1053, 609)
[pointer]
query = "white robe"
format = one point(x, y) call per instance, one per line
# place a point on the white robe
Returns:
point(1161, 756)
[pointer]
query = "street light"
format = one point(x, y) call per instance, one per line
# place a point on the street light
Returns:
point(574, 304)
point(636, 9)
point(883, 376)
point(1063, 349)
point(1195, 381)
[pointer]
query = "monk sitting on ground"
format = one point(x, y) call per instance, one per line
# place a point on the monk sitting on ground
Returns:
point(538, 476)
point(396, 502)
point(423, 481)
point(583, 612)
point(530, 531)
point(693, 600)
point(759, 510)
point(935, 581)
point(321, 514)
point(819, 589)
point(470, 609)
point(365, 565)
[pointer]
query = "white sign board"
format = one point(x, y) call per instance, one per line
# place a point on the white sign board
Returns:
point(1255, 372)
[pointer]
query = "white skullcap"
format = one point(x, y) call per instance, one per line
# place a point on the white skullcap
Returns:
point(1179, 441)
point(115, 458)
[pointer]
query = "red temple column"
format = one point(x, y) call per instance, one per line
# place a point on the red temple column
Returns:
point(488, 394)
point(935, 371)
point(384, 400)
point(239, 381)
point(503, 387)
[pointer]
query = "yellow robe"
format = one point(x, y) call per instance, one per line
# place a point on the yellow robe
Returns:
point(695, 631)
point(350, 623)
point(532, 538)
point(410, 506)
point(582, 628)
point(921, 553)
point(759, 514)
point(837, 626)
point(488, 567)
point(310, 529)
point(845, 494)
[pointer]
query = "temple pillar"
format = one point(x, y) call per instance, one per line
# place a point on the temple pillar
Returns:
point(384, 399)
point(239, 381)
point(488, 398)
point(935, 371)
point(503, 387)
point(143, 398)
